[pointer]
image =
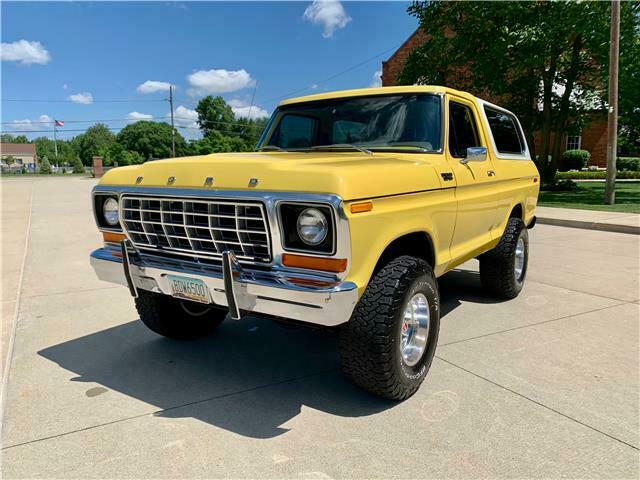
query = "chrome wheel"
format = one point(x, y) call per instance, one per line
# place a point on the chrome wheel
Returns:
point(518, 264)
point(414, 330)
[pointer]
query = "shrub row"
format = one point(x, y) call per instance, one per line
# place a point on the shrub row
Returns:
point(596, 175)
point(631, 164)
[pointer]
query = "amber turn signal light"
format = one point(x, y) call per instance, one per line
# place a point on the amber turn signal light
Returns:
point(335, 265)
point(361, 207)
point(112, 237)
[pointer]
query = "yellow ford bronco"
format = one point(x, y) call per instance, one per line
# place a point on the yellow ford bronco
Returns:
point(351, 206)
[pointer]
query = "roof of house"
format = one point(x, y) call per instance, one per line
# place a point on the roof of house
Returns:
point(17, 148)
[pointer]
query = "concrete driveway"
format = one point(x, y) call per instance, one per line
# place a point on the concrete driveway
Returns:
point(542, 386)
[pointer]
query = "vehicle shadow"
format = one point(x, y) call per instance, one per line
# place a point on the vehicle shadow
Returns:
point(250, 377)
point(462, 285)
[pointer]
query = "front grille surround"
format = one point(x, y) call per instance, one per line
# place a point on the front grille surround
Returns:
point(200, 228)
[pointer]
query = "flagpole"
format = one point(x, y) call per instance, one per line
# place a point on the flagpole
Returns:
point(55, 142)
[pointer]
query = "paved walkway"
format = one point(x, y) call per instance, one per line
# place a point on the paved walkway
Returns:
point(543, 386)
point(590, 219)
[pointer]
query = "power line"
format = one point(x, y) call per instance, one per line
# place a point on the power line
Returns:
point(132, 100)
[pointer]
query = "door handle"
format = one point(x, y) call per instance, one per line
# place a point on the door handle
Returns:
point(491, 173)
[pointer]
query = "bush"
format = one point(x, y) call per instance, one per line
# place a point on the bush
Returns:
point(561, 186)
point(77, 165)
point(629, 164)
point(45, 166)
point(575, 159)
point(597, 175)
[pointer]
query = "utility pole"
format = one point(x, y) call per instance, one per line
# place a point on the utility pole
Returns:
point(55, 141)
point(173, 128)
point(612, 124)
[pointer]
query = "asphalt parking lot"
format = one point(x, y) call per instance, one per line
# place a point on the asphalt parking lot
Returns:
point(542, 386)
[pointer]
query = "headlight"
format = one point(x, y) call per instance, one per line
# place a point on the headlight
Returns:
point(312, 226)
point(110, 211)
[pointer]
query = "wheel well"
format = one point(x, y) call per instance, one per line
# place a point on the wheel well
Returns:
point(417, 244)
point(517, 212)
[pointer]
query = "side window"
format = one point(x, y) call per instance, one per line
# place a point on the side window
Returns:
point(462, 130)
point(295, 131)
point(505, 131)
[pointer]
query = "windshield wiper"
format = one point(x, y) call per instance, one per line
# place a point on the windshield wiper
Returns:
point(399, 147)
point(342, 146)
point(270, 148)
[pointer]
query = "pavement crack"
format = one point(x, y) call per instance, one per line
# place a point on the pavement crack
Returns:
point(551, 409)
point(175, 407)
point(533, 324)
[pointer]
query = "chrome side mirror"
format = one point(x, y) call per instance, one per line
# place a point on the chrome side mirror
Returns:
point(475, 154)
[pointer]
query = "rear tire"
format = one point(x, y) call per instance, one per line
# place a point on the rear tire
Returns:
point(401, 304)
point(504, 269)
point(178, 319)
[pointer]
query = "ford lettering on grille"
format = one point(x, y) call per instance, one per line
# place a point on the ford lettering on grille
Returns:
point(197, 227)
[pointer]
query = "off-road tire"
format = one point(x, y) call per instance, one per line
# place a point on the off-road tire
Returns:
point(171, 317)
point(497, 272)
point(370, 341)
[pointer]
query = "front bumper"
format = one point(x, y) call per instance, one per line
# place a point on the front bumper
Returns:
point(288, 294)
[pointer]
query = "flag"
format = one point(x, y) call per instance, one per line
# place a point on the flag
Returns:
point(59, 123)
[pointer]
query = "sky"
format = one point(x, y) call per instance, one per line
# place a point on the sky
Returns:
point(71, 60)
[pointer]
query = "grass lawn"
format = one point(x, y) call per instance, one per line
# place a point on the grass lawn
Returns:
point(590, 196)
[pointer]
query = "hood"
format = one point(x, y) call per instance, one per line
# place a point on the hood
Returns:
point(351, 175)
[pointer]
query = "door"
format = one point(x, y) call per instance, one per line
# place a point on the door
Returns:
point(475, 192)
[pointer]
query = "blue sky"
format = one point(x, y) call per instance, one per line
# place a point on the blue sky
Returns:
point(86, 53)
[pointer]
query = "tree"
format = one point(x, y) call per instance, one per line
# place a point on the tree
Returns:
point(93, 141)
point(77, 165)
point(151, 140)
point(8, 138)
point(215, 115)
point(543, 60)
point(45, 166)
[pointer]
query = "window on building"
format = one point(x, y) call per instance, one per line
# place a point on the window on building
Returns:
point(505, 132)
point(574, 142)
point(462, 130)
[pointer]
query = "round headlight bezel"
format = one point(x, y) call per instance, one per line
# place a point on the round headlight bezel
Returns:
point(110, 212)
point(308, 215)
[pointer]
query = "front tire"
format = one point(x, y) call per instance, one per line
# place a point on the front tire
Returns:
point(389, 343)
point(504, 269)
point(177, 319)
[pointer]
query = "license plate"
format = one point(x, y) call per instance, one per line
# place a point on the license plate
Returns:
point(189, 288)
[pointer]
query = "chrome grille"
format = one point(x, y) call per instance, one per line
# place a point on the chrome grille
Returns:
point(197, 228)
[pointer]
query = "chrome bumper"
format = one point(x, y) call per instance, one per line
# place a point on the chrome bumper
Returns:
point(288, 294)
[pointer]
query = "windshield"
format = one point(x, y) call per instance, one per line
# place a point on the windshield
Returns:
point(390, 122)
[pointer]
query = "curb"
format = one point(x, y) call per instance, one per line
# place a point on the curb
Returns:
point(601, 226)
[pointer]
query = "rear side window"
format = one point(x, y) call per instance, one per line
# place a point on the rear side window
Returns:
point(505, 131)
point(462, 130)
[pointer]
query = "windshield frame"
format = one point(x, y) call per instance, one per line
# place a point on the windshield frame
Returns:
point(281, 111)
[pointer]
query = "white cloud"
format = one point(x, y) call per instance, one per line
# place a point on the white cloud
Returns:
point(185, 117)
point(328, 13)
point(205, 82)
point(65, 86)
point(43, 122)
point(135, 116)
point(376, 81)
point(315, 86)
point(25, 52)
point(244, 110)
point(152, 86)
point(83, 97)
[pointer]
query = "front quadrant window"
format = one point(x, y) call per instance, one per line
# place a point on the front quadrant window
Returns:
point(411, 123)
point(463, 132)
point(574, 142)
point(505, 132)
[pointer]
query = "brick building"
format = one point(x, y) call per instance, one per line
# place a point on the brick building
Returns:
point(592, 138)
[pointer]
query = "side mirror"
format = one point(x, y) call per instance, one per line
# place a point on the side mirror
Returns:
point(475, 154)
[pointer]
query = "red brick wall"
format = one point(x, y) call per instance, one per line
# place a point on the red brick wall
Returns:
point(393, 67)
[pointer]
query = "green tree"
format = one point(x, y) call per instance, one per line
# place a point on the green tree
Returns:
point(543, 60)
point(215, 115)
point(77, 165)
point(97, 138)
point(151, 139)
point(45, 166)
